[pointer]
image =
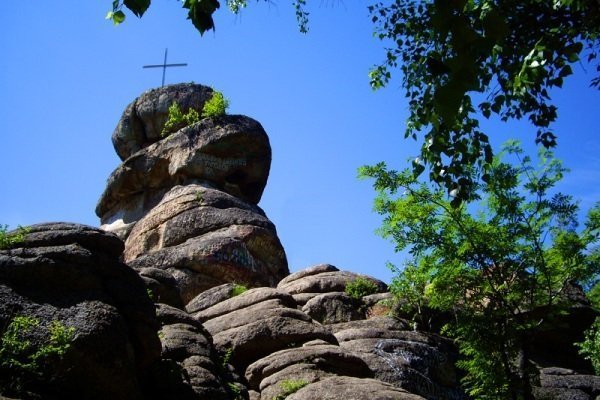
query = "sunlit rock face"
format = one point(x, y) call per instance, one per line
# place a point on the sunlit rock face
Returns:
point(187, 203)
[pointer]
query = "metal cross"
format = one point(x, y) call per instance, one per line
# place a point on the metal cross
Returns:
point(164, 66)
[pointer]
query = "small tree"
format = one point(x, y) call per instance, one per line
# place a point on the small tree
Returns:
point(216, 106)
point(491, 262)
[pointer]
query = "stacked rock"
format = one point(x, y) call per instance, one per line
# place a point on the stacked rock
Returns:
point(186, 204)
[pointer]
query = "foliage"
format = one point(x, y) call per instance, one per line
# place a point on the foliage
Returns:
point(178, 120)
point(594, 295)
point(238, 289)
point(290, 386)
point(21, 360)
point(200, 12)
point(235, 6)
point(461, 58)
point(226, 358)
point(150, 294)
point(9, 239)
point(359, 287)
point(215, 106)
point(409, 287)
point(490, 263)
point(590, 347)
point(234, 390)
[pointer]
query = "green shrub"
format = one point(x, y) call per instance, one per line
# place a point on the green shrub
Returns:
point(21, 360)
point(178, 120)
point(290, 386)
point(226, 358)
point(235, 390)
point(590, 347)
point(150, 294)
point(216, 106)
point(10, 239)
point(238, 289)
point(360, 287)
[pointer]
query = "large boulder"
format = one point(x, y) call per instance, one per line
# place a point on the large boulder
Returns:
point(257, 323)
point(334, 307)
point(143, 119)
point(191, 368)
point(66, 285)
point(345, 387)
point(419, 362)
point(204, 238)
point(231, 153)
point(323, 278)
point(327, 358)
point(566, 384)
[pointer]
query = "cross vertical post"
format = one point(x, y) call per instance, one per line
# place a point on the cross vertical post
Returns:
point(164, 66)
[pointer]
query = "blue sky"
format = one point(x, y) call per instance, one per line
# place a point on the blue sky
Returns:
point(67, 75)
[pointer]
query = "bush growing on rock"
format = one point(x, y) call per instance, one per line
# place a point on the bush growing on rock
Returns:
point(290, 386)
point(590, 347)
point(360, 287)
point(238, 289)
point(23, 361)
point(178, 120)
point(216, 106)
point(8, 239)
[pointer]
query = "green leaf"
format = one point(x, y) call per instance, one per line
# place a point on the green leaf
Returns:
point(138, 7)
point(200, 13)
point(572, 51)
point(447, 100)
point(118, 17)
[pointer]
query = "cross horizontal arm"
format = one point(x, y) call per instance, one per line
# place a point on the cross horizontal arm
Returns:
point(164, 65)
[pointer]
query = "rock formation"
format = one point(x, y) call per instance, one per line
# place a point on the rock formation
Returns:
point(70, 275)
point(184, 293)
point(187, 204)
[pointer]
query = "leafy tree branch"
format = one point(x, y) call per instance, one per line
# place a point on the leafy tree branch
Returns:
point(496, 264)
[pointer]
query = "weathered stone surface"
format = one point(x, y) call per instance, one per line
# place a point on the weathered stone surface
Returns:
point(209, 298)
point(143, 119)
point(345, 387)
point(303, 298)
point(315, 269)
point(204, 238)
point(66, 233)
point(253, 395)
point(331, 308)
point(168, 315)
point(162, 286)
point(378, 304)
point(324, 282)
point(382, 323)
point(327, 358)
point(232, 153)
point(70, 274)
point(257, 323)
point(272, 386)
point(213, 259)
point(560, 394)
point(566, 379)
point(191, 364)
point(246, 299)
point(248, 315)
point(260, 338)
point(190, 211)
point(420, 362)
point(180, 341)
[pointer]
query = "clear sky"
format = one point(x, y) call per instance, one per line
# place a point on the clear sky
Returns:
point(67, 74)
